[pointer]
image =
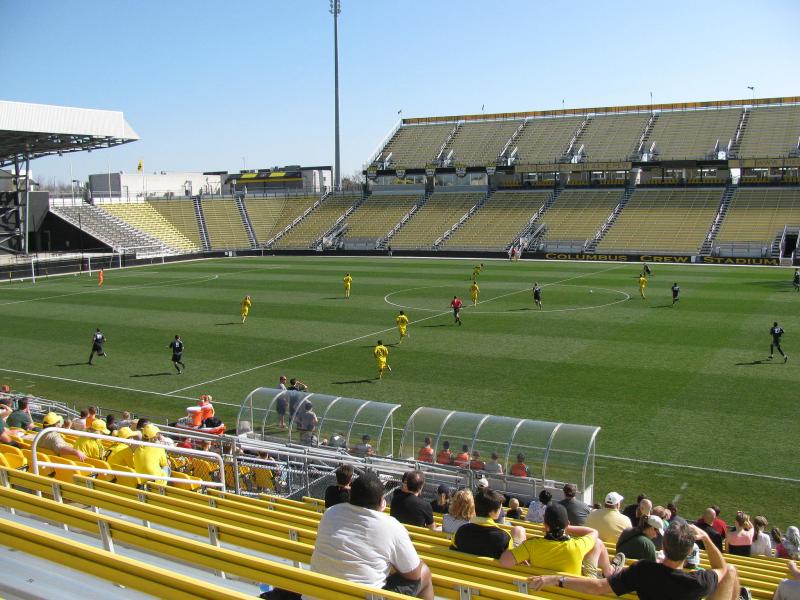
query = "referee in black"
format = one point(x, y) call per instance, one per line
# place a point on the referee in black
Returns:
point(97, 345)
point(776, 331)
point(177, 354)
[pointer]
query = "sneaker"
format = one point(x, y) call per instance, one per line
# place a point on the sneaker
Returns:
point(769, 357)
point(745, 594)
point(618, 561)
point(390, 368)
point(785, 358)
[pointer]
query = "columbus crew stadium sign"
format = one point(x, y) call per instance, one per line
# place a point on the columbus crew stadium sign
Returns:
point(655, 258)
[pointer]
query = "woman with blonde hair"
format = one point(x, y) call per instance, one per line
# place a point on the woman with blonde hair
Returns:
point(761, 542)
point(460, 512)
point(741, 539)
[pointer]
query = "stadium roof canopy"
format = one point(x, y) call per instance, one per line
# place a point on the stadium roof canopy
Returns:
point(36, 130)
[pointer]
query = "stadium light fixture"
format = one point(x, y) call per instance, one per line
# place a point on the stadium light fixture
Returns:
point(752, 89)
point(335, 10)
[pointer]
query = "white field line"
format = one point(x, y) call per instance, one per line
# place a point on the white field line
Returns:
point(371, 334)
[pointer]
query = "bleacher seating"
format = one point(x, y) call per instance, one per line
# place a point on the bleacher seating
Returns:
point(664, 220)
point(613, 137)
point(578, 214)
point(546, 140)
point(479, 143)
point(143, 216)
point(771, 132)
point(224, 224)
point(433, 219)
point(416, 145)
point(498, 221)
point(270, 216)
point(758, 214)
point(318, 221)
point(182, 216)
point(106, 227)
point(693, 134)
point(374, 219)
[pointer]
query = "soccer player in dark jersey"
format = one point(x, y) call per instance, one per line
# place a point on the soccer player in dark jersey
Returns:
point(796, 280)
point(176, 346)
point(776, 331)
point(456, 306)
point(537, 295)
point(646, 269)
point(676, 290)
point(97, 345)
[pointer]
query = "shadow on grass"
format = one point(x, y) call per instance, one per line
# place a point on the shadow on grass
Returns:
point(75, 364)
point(438, 325)
point(662, 306)
point(354, 381)
point(756, 362)
point(519, 309)
point(335, 298)
point(230, 323)
point(160, 374)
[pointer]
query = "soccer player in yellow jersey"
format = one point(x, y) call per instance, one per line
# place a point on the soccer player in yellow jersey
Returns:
point(348, 281)
point(381, 353)
point(474, 290)
point(402, 325)
point(247, 302)
point(476, 270)
point(642, 286)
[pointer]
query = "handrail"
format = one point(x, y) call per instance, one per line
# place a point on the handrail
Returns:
point(36, 463)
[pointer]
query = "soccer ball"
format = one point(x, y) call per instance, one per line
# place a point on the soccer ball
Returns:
point(591, 291)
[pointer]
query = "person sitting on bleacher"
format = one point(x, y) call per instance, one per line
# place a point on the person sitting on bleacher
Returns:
point(514, 511)
point(493, 467)
point(705, 524)
point(339, 493)
point(482, 536)
point(789, 589)
point(639, 542)
point(150, 460)
point(445, 456)
point(460, 512)
point(666, 580)
point(4, 437)
point(426, 452)
point(520, 469)
point(79, 424)
point(360, 543)
point(609, 521)
point(52, 440)
point(476, 464)
point(537, 507)
point(363, 449)
point(567, 548)
point(407, 507)
point(20, 418)
point(441, 503)
point(121, 455)
point(92, 447)
point(576, 509)
point(461, 460)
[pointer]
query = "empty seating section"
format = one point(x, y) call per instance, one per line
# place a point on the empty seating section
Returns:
point(498, 221)
point(670, 220)
point(612, 137)
point(374, 219)
point(224, 224)
point(693, 134)
point(106, 227)
point(182, 216)
point(143, 216)
point(479, 144)
point(759, 214)
point(416, 145)
point(264, 216)
point(318, 221)
point(578, 214)
point(292, 208)
point(771, 132)
point(546, 140)
point(433, 219)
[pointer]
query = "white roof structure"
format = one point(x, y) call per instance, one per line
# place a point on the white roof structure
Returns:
point(36, 130)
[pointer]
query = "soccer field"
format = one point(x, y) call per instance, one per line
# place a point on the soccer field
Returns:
point(686, 385)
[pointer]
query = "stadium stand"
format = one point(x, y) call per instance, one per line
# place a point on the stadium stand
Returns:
point(374, 219)
point(611, 137)
point(479, 144)
point(546, 140)
point(415, 145)
point(270, 216)
point(180, 213)
point(693, 134)
point(492, 228)
point(758, 214)
point(666, 220)
point(433, 219)
point(578, 214)
point(144, 217)
point(302, 235)
point(105, 227)
point(224, 224)
point(771, 132)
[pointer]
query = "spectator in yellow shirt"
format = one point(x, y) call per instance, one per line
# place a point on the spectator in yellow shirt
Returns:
point(150, 460)
point(92, 447)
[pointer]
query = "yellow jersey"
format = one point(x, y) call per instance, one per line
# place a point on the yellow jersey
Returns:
point(474, 289)
point(121, 455)
point(642, 282)
point(402, 321)
point(150, 460)
point(347, 281)
point(381, 352)
point(91, 447)
point(246, 303)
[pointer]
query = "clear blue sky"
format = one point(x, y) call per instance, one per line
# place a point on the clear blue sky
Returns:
point(207, 83)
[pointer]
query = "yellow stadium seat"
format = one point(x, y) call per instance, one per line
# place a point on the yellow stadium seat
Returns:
point(14, 456)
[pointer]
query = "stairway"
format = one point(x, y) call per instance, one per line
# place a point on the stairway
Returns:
point(575, 147)
point(201, 223)
point(505, 157)
point(438, 243)
point(645, 138)
point(733, 151)
point(626, 196)
point(722, 210)
point(248, 226)
point(533, 223)
point(385, 241)
point(443, 157)
point(339, 226)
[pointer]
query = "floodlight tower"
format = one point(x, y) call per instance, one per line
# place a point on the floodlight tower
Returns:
point(335, 9)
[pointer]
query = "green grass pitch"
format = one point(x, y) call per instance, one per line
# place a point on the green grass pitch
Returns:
point(685, 386)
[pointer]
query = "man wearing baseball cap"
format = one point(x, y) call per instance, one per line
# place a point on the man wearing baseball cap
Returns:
point(121, 454)
point(150, 460)
point(92, 447)
point(639, 542)
point(609, 521)
point(53, 441)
